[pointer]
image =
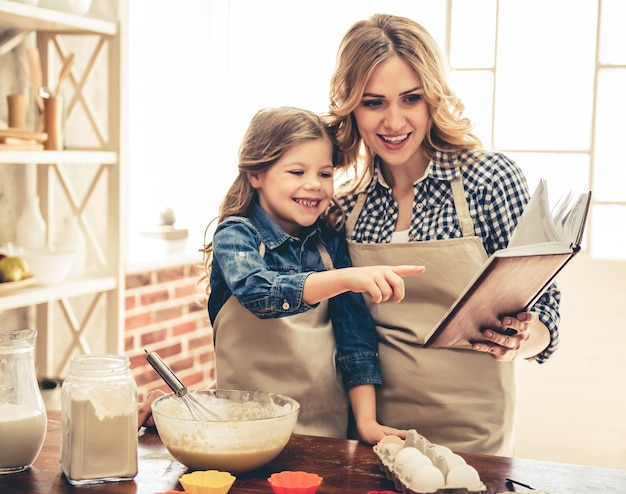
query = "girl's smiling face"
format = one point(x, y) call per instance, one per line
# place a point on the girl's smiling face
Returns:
point(393, 116)
point(297, 189)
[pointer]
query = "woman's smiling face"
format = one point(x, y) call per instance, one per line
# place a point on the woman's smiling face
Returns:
point(392, 117)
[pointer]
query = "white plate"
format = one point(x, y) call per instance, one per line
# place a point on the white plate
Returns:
point(11, 286)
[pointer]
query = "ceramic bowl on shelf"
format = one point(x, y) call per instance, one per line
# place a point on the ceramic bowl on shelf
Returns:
point(78, 7)
point(49, 265)
point(255, 428)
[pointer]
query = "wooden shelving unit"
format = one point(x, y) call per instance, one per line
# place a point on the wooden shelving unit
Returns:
point(77, 305)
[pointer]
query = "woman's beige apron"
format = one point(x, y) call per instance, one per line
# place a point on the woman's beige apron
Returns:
point(456, 397)
point(293, 355)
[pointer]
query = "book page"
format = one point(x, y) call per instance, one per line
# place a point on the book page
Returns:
point(573, 221)
point(534, 249)
point(535, 225)
point(539, 224)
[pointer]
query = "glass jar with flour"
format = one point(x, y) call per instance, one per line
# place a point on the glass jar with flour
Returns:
point(99, 420)
point(23, 420)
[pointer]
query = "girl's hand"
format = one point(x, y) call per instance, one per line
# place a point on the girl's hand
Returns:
point(507, 347)
point(371, 432)
point(144, 415)
point(380, 282)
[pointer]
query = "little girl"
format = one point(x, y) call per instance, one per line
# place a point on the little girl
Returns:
point(283, 312)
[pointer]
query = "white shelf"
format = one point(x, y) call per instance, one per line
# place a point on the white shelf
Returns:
point(21, 16)
point(53, 157)
point(38, 294)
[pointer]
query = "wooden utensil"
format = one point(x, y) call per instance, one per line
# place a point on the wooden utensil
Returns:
point(23, 134)
point(24, 67)
point(65, 71)
point(35, 73)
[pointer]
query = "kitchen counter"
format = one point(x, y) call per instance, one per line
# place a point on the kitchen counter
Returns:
point(348, 467)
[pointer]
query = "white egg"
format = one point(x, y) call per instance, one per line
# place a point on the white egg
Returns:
point(412, 465)
point(390, 450)
point(391, 439)
point(463, 476)
point(453, 460)
point(402, 457)
point(427, 478)
point(441, 450)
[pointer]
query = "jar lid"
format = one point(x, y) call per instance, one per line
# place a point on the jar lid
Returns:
point(99, 364)
point(21, 338)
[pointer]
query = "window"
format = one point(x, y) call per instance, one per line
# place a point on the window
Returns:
point(546, 92)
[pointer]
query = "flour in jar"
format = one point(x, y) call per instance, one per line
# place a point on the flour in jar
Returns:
point(99, 445)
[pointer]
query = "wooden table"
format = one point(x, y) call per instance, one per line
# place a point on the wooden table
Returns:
point(348, 467)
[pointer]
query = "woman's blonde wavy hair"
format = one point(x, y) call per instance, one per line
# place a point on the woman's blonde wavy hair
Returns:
point(271, 133)
point(364, 47)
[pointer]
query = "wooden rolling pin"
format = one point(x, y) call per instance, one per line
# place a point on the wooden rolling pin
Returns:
point(27, 135)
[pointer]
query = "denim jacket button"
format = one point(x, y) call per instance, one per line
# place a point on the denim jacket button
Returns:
point(285, 305)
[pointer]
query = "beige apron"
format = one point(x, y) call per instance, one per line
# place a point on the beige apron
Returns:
point(456, 397)
point(293, 355)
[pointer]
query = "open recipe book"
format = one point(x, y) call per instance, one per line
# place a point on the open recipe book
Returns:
point(512, 279)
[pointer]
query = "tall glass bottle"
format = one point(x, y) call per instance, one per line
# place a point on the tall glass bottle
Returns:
point(99, 420)
point(23, 420)
point(31, 228)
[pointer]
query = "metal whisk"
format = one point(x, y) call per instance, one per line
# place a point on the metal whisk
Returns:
point(198, 410)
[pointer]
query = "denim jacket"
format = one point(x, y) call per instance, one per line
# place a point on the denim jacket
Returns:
point(271, 284)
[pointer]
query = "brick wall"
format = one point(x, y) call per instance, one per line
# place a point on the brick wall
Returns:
point(166, 313)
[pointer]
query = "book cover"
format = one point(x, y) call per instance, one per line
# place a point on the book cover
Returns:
point(512, 279)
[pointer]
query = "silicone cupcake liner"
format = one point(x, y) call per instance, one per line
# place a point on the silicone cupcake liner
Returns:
point(298, 482)
point(207, 482)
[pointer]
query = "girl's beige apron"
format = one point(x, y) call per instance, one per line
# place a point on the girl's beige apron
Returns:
point(456, 397)
point(294, 356)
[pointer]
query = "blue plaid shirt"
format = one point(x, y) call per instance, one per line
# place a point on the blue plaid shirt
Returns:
point(496, 192)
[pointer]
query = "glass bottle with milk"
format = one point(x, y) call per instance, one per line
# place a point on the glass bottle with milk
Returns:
point(23, 420)
point(99, 420)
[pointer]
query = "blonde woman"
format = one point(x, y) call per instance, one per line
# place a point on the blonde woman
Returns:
point(425, 192)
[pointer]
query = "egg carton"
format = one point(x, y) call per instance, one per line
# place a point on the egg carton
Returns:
point(417, 466)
